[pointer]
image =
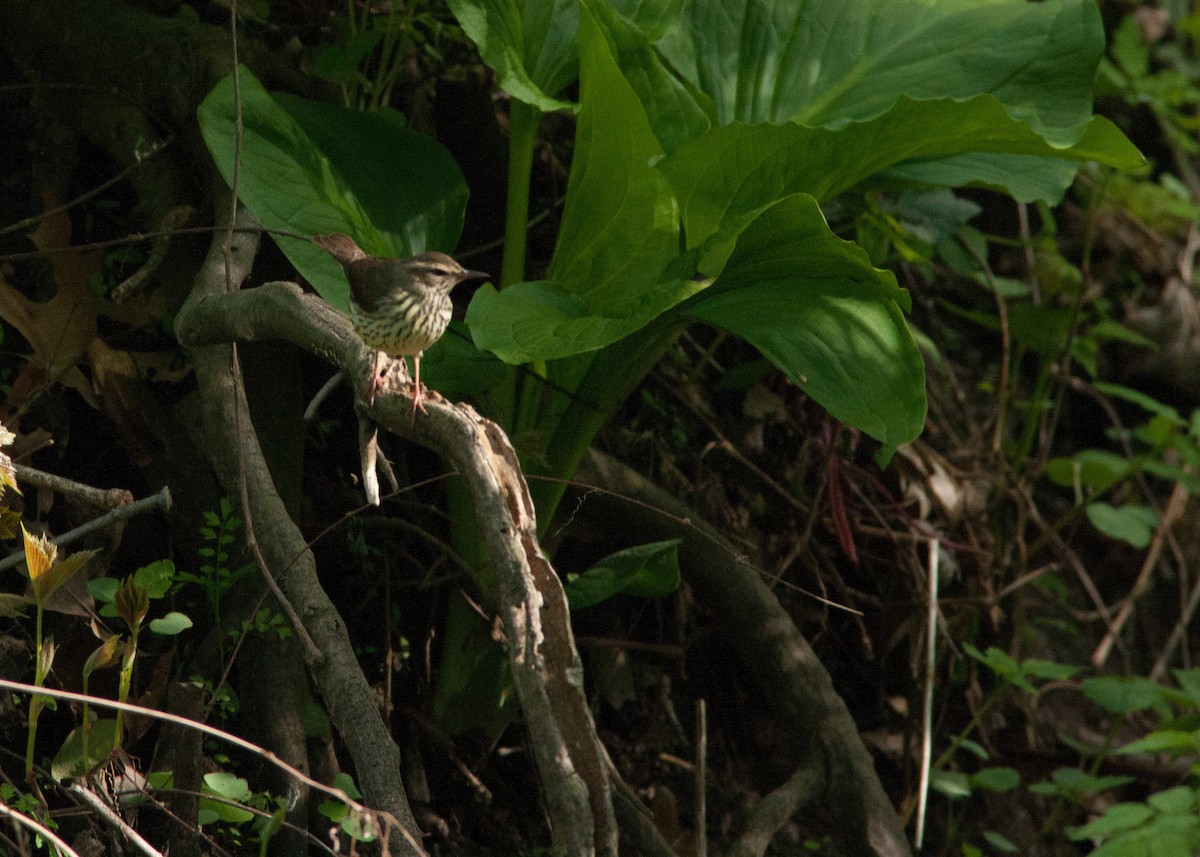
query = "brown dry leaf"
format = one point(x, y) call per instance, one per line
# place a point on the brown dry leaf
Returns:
point(63, 330)
point(60, 329)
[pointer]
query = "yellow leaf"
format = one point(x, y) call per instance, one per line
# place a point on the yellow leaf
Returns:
point(8, 472)
point(39, 554)
point(61, 573)
point(105, 655)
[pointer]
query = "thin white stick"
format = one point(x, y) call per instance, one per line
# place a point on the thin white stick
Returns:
point(370, 817)
point(115, 820)
point(701, 779)
point(38, 828)
point(927, 714)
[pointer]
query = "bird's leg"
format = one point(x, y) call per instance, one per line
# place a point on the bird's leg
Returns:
point(374, 379)
point(418, 390)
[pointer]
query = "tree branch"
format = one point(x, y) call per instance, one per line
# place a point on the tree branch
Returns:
point(335, 668)
point(545, 664)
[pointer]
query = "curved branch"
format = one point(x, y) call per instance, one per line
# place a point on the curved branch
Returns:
point(542, 654)
point(334, 666)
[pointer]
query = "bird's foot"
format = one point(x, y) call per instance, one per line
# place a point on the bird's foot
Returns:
point(384, 367)
point(418, 400)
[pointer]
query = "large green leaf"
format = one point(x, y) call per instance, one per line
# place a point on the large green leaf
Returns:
point(530, 45)
point(676, 109)
point(829, 62)
point(314, 168)
point(823, 65)
point(621, 223)
point(407, 183)
point(816, 307)
point(648, 571)
point(616, 266)
point(738, 168)
point(543, 321)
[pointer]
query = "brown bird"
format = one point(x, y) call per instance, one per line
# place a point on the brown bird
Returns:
point(398, 306)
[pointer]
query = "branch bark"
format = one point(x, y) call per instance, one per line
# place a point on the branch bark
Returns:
point(542, 654)
point(334, 667)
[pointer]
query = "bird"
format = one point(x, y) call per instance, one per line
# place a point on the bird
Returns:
point(398, 306)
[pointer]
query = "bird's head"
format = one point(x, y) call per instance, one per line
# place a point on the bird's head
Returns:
point(438, 271)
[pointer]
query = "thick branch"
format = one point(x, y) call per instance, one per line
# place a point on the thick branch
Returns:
point(336, 670)
point(542, 653)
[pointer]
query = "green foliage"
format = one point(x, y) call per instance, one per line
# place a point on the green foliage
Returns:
point(1020, 674)
point(648, 571)
point(215, 576)
point(336, 811)
point(314, 168)
point(704, 161)
point(1166, 822)
point(373, 50)
point(28, 804)
point(1164, 446)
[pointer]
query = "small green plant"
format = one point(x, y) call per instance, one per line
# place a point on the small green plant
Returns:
point(215, 576)
point(229, 803)
point(46, 575)
point(266, 621)
point(341, 815)
point(27, 804)
point(1164, 823)
point(375, 48)
point(1165, 446)
point(128, 600)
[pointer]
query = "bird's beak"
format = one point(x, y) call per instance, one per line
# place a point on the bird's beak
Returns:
point(474, 275)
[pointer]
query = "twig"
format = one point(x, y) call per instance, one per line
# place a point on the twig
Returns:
point(310, 412)
point(154, 503)
point(115, 820)
point(773, 811)
point(84, 197)
point(38, 828)
point(174, 219)
point(927, 712)
point(1170, 515)
point(105, 498)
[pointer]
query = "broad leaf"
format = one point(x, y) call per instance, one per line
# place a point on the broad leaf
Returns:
point(542, 321)
point(647, 571)
point(171, 624)
point(530, 45)
point(620, 224)
point(828, 63)
point(816, 307)
point(1132, 524)
point(313, 168)
point(69, 761)
point(730, 171)
point(1121, 695)
point(616, 266)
